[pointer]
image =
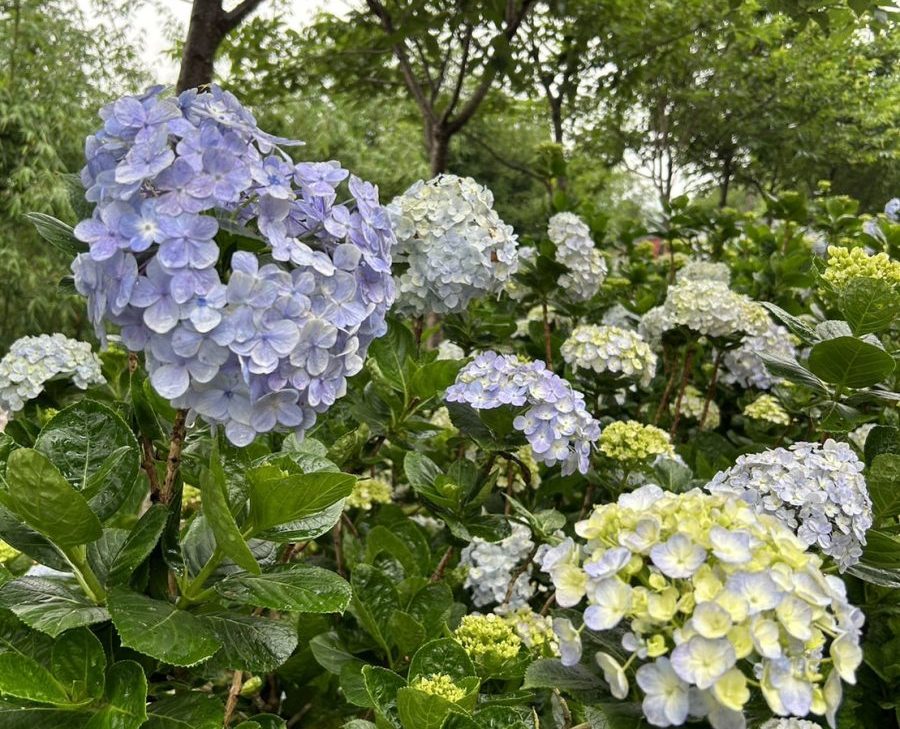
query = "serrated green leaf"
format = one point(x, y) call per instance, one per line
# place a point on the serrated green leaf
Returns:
point(78, 663)
point(25, 678)
point(251, 643)
point(883, 481)
point(278, 500)
point(444, 655)
point(40, 495)
point(57, 233)
point(551, 673)
point(138, 544)
point(126, 698)
point(214, 494)
point(160, 630)
point(295, 588)
point(869, 304)
point(50, 605)
point(850, 362)
point(191, 710)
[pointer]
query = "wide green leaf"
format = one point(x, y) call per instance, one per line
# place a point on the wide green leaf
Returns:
point(50, 605)
point(850, 362)
point(218, 513)
point(78, 663)
point(444, 655)
point(883, 481)
point(550, 673)
point(280, 499)
point(23, 715)
point(138, 545)
point(375, 599)
point(290, 588)
point(869, 304)
point(251, 643)
point(27, 540)
point(390, 355)
point(126, 698)
point(881, 550)
point(160, 630)
point(881, 439)
point(48, 503)
point(25, 678)
point(95, 451)
point(307, 528)
point(419, 710)
point(57, 233)
point(186, 710)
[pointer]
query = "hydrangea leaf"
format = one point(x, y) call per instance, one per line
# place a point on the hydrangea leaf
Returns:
point(276, 498)
point(869, 304)
point(126, 698)
point(138, 545)
point(185, 710)
point(160, 630)
point(443, 655)
point(50, 605)
point(251, 643)
point(290, 588)
point(850, 362)
point(78, 663)
point(24, 678)
point(48, 503)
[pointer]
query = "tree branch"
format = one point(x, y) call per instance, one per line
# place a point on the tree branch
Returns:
point(233, 18)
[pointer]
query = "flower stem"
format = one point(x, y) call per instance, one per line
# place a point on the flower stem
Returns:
point(685, 376)
point(174, 459)
point(77, 557)
point(193, 590)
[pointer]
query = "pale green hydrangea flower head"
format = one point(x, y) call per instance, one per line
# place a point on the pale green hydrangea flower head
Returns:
point(767, 409)
point(631, 441)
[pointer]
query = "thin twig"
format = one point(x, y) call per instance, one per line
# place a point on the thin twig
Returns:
point(711, 390)
point(518, 572)
point(174, 459)
point(442, 565)
point(233, 692)
point(546, 606)
point(548, 345)
point(685, 376)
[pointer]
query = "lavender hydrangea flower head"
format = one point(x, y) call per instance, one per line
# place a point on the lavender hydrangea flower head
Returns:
point(455, 246)
point(33, 361)
point(553, 418)
point(249, 343)
point(575, 250)
point(818, 490)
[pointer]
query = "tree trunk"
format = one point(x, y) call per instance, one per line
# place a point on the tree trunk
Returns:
point(438, 150)
point(556, 117)
point(725, 183)
point(204, 35)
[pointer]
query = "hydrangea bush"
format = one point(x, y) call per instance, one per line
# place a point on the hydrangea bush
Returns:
point(289, 500)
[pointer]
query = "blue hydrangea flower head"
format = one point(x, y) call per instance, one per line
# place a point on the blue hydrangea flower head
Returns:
point(253, 341)
point(554, 419)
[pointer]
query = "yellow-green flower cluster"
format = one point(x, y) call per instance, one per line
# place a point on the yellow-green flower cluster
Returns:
point(610, 349)
point(509, 473)
point(7, 552)
point(369, 491)
point(190, 497)
point(488, 639)
point(439, 684)
point(711, 596)
point(767, 408)
point(848, 263)
point(632, 441)
point(692, 404)
point(534, 630)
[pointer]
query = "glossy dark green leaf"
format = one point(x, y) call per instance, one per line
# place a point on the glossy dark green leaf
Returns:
point(430, 380)
point(50, 605)
point(48, 503)
point(291, 588)
point(160, 630)
point(391, 353)
point(883, 481)
point(251, 643)
point(330, 652)
point(25, 678)
point(95, 451)
point(186, 710)
point(382, 686)
point(278, 499)
point(375, 599)
point(869, 304)
point(550, 673)
point(792, 371)
point(850, 362)
point(419, 710)
point(444, 655)
point(881, 439)
point(78, 663)
point(218, 514)
point(407, 632)
point(306, 528)
point(138, 544)
point(125, 698)
point(27, 540)
point(57, 233)
point(881, 550)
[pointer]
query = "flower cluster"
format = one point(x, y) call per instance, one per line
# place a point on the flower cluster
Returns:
point(892, 209)
point(631, 441)
point(789, 723)
point(534, 630)
point(369, 491)
point(253, 346)
point(575, 250)
point(710, 595)
point(554, 421)
point(816, 489)
point(704, 271)
point(768, 409)
point(743, 365)
point(454, 244)
point(710, 308)
point(692, 404)
point(490, 567)
point(859, 435)
point(440, 684)
point(610, 349)
point(848, 263)
point(33, 361)
point(489, 640)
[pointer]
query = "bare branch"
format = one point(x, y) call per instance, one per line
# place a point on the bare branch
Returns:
point(466, 45)
point(233, 18)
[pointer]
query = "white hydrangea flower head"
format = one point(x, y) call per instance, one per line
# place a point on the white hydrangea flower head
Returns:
point(491, 566)
point(743, 365)
point(33, 361)
point(576, 251)
point(619, 316)
point(692, 404)
point(789, 723)
point(709, 596)
point(455, 245)
point(653, 324)
point(816, 489)
point(610, 349)
point(449, 350)
point(767, 409)
point(704, 271)
point(710, 308)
